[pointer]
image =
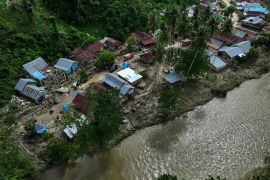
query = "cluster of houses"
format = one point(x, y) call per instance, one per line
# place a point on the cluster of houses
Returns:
point(223, 49)
point(38, 72)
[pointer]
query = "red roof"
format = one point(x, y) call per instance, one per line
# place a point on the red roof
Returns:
point(80, 102)
point(144, 38)
point(94, 47)
point(89, 53)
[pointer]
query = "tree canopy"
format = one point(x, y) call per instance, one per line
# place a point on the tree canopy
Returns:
point(105, 59)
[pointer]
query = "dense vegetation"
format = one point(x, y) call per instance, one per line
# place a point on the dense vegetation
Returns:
point(14, 164)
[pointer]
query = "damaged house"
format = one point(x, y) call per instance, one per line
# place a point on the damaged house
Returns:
point(36, 68)
point(28, 88)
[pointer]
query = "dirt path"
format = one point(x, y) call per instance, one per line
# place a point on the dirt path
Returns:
point(235, 16)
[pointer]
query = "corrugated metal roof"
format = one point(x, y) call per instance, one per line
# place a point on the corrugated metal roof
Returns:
point(173, 78)
point(245, 46)
point(231, 51)
point(113, 81)
point(117, 83)
point(240, 34)
point(253, 20)
point(217, 62)
point(64, 64)
point(34, 92)
point(38, 64)
point(22, 83)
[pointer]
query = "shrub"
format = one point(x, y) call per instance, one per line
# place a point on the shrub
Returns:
point(105, 59)
point(29, 127)
point(9, 119)
point(58, 151)
point(144, 74)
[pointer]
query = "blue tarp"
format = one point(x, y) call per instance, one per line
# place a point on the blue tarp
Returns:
point(42, 131)
point(124, 65)
point(40, 128)
point(38, 75)
point(65, 107)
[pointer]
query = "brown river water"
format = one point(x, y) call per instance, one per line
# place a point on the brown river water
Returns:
point(227, 137)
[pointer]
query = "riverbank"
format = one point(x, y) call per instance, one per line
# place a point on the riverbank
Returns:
point(228, 137)
point(145, 110)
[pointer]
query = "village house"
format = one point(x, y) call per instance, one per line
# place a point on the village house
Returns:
point(130, 76)
point(240, 6)
point(89, 54)
point(110, 43)
point(111, 80)
point(29, 89)
point(36, 68)
point(239, 49)
point(79, 102)
point(216, 63)
point(254, 22)
point(240, 34)
point(214, 44)
point(229, 53)
point(144, 38)
point(245, 46)
point(66, 65)
point(173, 78)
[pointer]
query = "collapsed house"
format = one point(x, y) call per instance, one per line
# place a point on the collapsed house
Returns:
point(146, 39)
point(66, 65)
point(254, 22)
point(36, 68)
point(111, 44)
point(130, 76)
point(29, 89)
point(112, 81)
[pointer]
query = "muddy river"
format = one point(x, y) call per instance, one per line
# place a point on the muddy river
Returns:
point(227, 137)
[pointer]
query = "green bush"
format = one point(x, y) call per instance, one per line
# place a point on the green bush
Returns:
point(105, 60)
point(29, 128)
point(57, 152)
point(9, 119)
point(144, 74)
